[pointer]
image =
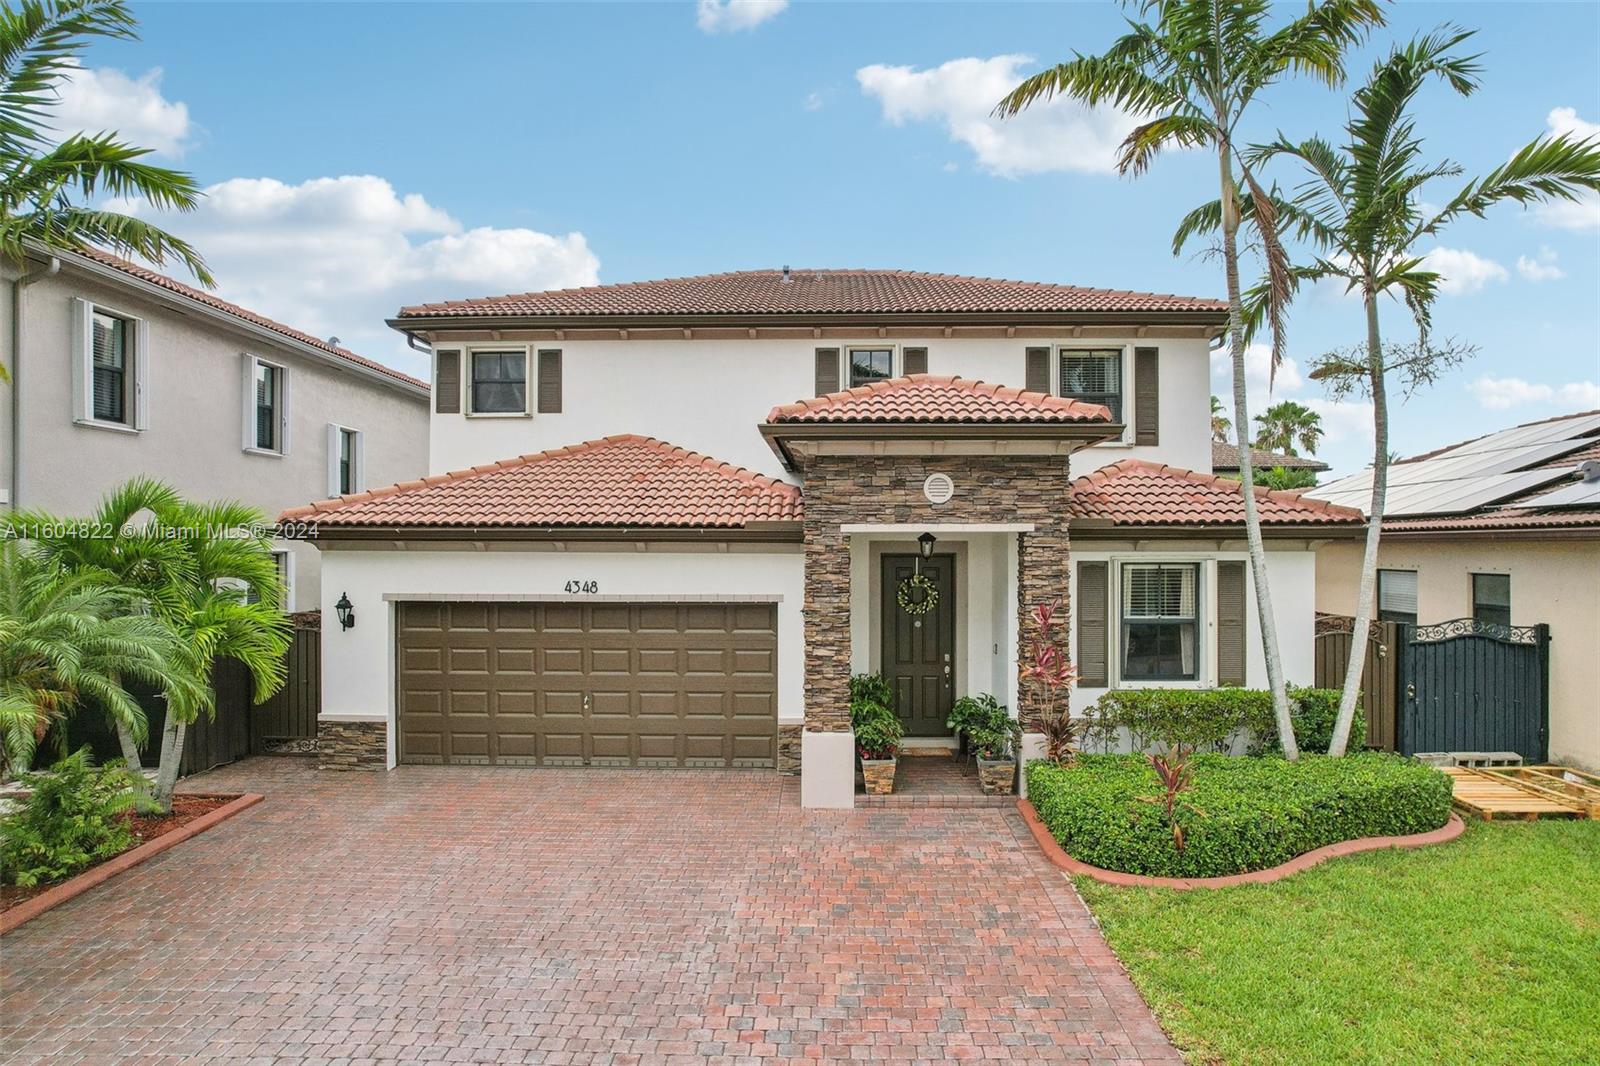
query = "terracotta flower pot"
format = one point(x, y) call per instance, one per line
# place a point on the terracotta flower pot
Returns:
point(997, 777)
point(879, 775)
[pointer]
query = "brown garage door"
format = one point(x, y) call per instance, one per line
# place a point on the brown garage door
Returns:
point(588, 684)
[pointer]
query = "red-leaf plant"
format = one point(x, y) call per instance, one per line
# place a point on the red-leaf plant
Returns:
point(1052, 677)
point(1177, 777)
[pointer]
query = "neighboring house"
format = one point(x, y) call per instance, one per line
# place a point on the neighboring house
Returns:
point(1503, 529)
point(118, 372)
point(1225, 460)
point(682, 513)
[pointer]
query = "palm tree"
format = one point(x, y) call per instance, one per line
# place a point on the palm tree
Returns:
point(206, 571)
point(1287, 425)
point(1221, 424)
point(69, 637)
point(1191, 75)
point(46, 188)
point(1361, 206)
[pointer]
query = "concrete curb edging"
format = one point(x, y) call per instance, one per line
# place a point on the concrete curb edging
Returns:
point(76, 886)
point(1054, 852)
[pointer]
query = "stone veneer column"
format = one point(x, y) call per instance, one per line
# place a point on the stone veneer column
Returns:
point(345, 744)
point(827, 615)
point(1043, 568)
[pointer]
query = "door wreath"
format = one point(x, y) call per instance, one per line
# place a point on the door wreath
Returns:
point(917, 607)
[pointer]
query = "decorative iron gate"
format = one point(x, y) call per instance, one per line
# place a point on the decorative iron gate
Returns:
point(1475, 686)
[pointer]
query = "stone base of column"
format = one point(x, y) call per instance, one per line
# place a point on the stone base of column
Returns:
point(789, 748)
point(352, 745)
point(1032, 747)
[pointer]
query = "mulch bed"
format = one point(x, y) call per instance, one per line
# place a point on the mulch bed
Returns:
point(185, 809)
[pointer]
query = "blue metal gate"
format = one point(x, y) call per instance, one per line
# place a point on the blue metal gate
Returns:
point(1475, 686)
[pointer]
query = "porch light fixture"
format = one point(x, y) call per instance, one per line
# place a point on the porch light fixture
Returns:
point(925, 545)
point(347, 613)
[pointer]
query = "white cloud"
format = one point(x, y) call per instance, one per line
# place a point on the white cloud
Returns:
point(103, 100)
point(1345, 422)
point(731, 16)
point(1501, 394)
point(813, 102)
point(1060, 135)
point(336, 256)
point(1584, 212)
point(1463, 272)
point(1261, 390)
point(1543, 268)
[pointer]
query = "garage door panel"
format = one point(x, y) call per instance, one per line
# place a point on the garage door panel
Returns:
point(591, 683)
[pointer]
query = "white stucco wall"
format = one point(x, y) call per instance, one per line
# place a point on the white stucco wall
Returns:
point(1291, 573)
point(358, 664)
point(194, 437)
point(1552, 581)
point(709, 395)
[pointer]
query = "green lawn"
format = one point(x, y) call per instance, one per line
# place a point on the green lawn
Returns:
point(1483, 950)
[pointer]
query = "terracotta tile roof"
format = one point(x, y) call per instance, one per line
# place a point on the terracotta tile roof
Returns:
point(172, 285)
point(813, 292)
point(938, 398)
point(624, 481)
point(1225, 456)
point(1136, 493)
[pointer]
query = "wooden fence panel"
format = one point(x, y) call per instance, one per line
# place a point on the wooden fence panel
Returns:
point(1380, 679)
point(291, 714)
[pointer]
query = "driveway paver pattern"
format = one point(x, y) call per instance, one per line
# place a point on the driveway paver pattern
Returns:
point(572, 916)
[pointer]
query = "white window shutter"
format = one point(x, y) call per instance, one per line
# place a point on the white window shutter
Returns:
point(247, 396)
point(358, 462)
point(333, 459)
point(285, 378)
point(141, 374)
point(82, 357)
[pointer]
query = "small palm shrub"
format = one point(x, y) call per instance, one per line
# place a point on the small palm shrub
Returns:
point(877, 728)
point(72, 819)
point(991, 732)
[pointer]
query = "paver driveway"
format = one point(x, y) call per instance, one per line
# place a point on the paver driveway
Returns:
point(573, 916)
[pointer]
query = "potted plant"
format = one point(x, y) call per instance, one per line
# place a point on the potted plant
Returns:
point(969, 712)
point(993, 737)
point(878, 733)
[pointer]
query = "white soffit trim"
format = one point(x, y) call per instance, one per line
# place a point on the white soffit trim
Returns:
point(938, 527)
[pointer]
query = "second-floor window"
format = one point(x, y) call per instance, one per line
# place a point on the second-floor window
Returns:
point(1093, 375)
point(870, 364)
point(269, 406)
point(112, 360)
point(499, 382)
point(1397, 596)
point(345, 461)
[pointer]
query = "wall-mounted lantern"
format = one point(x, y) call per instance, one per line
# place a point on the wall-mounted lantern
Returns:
point(347, 613)
point(925, 545)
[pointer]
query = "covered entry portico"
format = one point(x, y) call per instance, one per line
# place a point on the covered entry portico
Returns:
point(981, 467)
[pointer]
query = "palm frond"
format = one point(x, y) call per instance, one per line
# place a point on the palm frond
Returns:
point(1555, 168)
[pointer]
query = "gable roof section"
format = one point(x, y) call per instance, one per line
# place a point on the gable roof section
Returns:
point(935, 398)
point(232, 310)
point(1135, 493)
point(621, 482)
point(1225, 456)
point(814, 292)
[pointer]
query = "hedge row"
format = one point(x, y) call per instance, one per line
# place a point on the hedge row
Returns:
point(1208, 718)
point(1240, 815)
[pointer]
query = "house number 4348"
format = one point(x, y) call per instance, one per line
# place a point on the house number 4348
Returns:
point(587, 587)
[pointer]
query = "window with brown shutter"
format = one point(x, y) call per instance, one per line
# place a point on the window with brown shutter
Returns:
point(827, 371)
point(1092, 607)
point(1147, 396)
point(914, 361)
point(447, 381)
point(1230, 623)
point(1037, 372)
point(550, 381)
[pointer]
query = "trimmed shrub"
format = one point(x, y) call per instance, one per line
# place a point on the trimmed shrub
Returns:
point(1243, 814)
point(72, 819)
point(1211, 718)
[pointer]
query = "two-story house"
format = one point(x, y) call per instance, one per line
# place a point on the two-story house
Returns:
point(120, 372)
point(666, 521)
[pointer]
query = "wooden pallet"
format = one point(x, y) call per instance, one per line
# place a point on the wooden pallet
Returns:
point(1490, 795)
point(1557, 783)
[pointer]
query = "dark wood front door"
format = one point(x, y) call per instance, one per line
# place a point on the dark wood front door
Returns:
point(919, 651)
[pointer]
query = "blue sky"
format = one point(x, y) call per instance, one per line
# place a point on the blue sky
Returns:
point(366, 155)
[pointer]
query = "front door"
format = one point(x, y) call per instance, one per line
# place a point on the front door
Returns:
point(919, 650)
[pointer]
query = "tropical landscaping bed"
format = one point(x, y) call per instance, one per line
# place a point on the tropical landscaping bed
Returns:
point(1234, 814)
point(143, 827)
point(1481, 951)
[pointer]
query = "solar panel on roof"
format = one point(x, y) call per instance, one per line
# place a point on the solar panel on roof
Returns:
point(1578, 494)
